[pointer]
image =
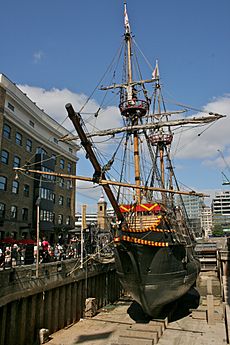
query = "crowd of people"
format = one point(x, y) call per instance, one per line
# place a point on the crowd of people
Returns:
point(24, 252)
point(19, 254)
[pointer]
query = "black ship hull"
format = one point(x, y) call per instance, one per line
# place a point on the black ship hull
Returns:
point(155, 276)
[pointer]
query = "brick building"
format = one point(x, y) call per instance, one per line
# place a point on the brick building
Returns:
point(30, 138)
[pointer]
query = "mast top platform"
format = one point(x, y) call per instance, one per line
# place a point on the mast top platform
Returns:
point(135, 107)
point(161, 138)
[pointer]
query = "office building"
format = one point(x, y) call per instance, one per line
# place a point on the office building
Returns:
point(221, 209)
point(193, 208)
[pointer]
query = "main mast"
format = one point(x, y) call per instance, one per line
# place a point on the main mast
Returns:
point(130, 102)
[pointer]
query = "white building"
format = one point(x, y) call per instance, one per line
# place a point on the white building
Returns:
point(221, 209)
point(206, 221)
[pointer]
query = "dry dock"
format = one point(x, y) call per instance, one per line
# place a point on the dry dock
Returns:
point(194, 319)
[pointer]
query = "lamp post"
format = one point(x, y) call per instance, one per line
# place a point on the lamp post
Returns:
point(37, 227)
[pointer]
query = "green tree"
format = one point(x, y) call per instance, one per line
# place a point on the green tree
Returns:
point(218, 230)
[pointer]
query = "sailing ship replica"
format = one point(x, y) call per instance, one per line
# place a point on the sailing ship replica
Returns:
point(154, 246)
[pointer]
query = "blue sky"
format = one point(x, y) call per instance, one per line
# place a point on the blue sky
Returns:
point(54, 49)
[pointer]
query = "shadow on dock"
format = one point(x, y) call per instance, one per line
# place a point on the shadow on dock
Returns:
point(174, 311)
point(92, 337)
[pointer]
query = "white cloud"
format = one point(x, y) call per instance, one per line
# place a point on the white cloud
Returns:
point(53, 102)
point(37, 56)
point(188, 145)
point(203, 142)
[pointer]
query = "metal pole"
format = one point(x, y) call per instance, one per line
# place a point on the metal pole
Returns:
point(38, 221)
point(83, 227)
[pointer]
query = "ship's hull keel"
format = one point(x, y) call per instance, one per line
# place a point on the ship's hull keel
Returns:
point(155, 277)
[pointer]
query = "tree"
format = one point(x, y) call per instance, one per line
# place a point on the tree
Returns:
point(218, 230)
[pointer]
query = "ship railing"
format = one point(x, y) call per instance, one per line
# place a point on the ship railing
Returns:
point(161, 138)
point(146, 221)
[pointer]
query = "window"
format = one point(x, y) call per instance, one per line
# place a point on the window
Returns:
point(10, 106)
point(68, 202)
point(26, 190)
point(18, 139)
point(70, 150)
point(62, 163)
point(3, 181)
point(69, 167)
point(6, 131)
point(47, 194)
point(15, 187)
point(25, 213)
point(60, 219)
point(61, 182)
point(67, 220)
point(28, 145)
point(13, 212)
point(31, 123)
point(46, 216)
point(54, 157)
point(60, 200)
point(69, 184)
point(5, 157)
point(55, 141)
point(17, 162)
point(47, 176)
point(2, 210)
point(40, 150)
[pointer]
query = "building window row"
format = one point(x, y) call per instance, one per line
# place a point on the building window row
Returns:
point(14, 212)
point(49, 216)
point(5, 159)
point(61, 220)
point(47, 176)
point(46, 216)
point(61, 183)
point(47, 194)
point(29, 145)
point(15, 186)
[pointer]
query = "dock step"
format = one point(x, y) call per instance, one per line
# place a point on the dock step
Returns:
point(138, 334)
